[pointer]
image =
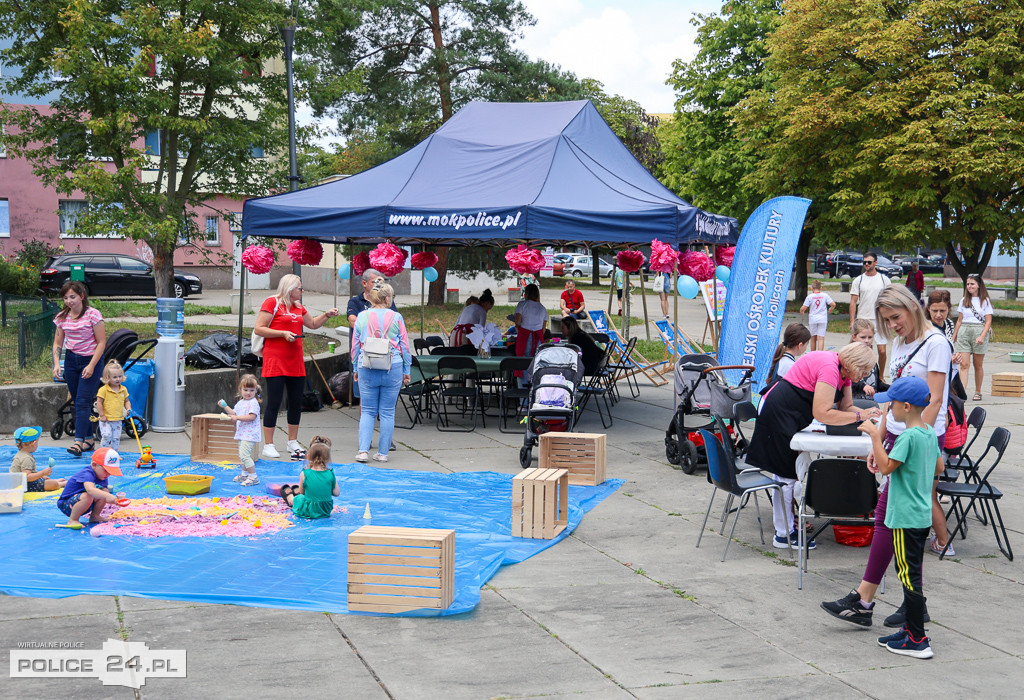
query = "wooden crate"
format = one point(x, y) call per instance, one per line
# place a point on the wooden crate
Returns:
point(540, 503)
point(1008, 384)
point(583, 454)
point(213, 439)
point(394, 569)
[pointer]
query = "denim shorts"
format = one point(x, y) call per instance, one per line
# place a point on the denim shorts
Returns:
point(66, 504)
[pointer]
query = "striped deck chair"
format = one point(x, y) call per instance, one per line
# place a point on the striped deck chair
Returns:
point(637, 362)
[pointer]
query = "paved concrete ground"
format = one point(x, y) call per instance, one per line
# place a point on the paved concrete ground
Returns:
point(625, 607)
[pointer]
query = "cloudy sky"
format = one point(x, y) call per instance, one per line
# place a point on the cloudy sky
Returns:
point(628, 45)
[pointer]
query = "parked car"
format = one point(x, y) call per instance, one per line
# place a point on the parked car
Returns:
point(113, 274)
point(852, 264)
point(558, 263)
point(583, 266)
point(925, 264)
point(887, 267)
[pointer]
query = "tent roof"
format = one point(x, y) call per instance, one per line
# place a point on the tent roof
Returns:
point(497, 173)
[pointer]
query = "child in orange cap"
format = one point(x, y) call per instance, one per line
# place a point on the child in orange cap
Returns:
point(88, 490)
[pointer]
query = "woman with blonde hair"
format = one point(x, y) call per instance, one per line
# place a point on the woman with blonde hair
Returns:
point(917, 349)
point(816, 387)
point(280, 321)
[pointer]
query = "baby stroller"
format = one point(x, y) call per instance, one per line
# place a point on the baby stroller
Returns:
point(702, 392)
point(555, 376)
point(125, 347)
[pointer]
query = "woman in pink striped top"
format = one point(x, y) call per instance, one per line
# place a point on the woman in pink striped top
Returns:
point(83, 335)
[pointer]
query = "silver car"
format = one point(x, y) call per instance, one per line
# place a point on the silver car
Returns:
point(583, 266)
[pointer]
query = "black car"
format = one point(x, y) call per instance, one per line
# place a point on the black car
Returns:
point(851, 265)
point(113, 274)
point(923, 264)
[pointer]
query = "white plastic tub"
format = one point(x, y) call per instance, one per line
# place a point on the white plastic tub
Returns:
point(12, 491)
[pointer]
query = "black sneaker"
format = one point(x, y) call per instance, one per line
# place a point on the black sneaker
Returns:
point(895, 637)
point(899, 618)
point(850, 609)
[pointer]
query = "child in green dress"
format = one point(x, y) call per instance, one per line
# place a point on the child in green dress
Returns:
point(312, 497)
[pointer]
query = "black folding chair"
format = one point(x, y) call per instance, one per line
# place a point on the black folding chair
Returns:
point(962, 462)
point(624, 369)
point(840, 490)
point(982, 491)
point(417, 397)
point(452, 373)
point(724, 476)
point(510, 393)
point(596, 386)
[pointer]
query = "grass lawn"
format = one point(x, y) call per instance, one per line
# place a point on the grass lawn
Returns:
point(144, 309)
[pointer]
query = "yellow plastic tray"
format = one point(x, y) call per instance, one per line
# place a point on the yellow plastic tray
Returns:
point(188, 484)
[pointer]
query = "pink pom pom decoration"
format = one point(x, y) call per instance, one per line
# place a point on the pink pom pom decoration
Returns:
point(421, 261)
point(630, 260)
point(258, 259)
point(360, 263)
point(663, 257)
point(724, 254)
point(697, 265)
point(305, 251)
point(525, 261)
point(387, 259)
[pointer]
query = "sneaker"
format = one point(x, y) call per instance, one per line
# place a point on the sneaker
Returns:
point(297, 455)
point(794, 539)
point(781, 543)
point(908, 646)
point(240, 477)
point(294, 446)
point(849, 609)
point(363, 456)
point(380, 458)
point(899, 618)
point(935, 548)
point(270, 452)
point(250, 480)
point(894, 637)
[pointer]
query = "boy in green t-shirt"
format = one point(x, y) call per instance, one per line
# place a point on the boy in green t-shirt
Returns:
point(911, 466)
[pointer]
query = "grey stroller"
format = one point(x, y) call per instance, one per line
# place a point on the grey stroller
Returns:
point(555, 376)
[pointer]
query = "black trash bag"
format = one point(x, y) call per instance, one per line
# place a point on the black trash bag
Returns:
point(339, 384)
point(311, 399)
point(220, 350)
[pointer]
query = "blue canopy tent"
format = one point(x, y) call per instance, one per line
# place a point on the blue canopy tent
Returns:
point(497, 173)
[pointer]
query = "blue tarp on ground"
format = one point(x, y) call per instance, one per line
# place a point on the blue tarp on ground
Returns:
point(302, 567)
point(498, 172)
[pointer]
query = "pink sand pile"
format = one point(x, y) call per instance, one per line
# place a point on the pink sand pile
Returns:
point(197, 517)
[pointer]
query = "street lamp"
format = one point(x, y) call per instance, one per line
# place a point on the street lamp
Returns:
point(287, 31)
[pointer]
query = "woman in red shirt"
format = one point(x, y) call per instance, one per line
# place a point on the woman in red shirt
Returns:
point(280, 321)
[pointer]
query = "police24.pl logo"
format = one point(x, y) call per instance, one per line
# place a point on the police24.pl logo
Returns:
point(117, 663)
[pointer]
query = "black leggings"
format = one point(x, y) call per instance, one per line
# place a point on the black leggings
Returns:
point(275, 393)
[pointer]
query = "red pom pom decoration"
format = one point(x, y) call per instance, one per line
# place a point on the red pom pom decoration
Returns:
point(525, 261)
point(387, 259)
point(361, 263)
point(724, 254)
point(630, 260)
point(305, 251)
point(258, 259)
point(697, 265)
point(663, 257)
point(421, 261)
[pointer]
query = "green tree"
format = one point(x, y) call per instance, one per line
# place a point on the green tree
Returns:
point(420, 61)
point(905, 115)
point(113, 71)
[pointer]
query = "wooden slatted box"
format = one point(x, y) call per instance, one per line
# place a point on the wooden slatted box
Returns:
point(394, 569)
point(540, 503)
point(1008, 384)
point(213, 439)
point(583, 454)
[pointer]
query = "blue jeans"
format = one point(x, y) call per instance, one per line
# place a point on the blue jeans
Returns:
point(378, 396)
point(83, 391)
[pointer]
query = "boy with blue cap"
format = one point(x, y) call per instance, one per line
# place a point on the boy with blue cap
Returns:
point(27, 440)
point(911, 466)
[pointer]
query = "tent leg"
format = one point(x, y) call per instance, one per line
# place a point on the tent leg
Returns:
point(643, 298)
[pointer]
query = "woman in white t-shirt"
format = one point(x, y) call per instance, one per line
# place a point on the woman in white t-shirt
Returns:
point(531, 318)
point(973, 329)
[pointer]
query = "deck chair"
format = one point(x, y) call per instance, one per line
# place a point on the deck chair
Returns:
point(637, 362)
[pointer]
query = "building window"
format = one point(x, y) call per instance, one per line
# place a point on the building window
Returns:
point(153, 142)
point(70, 209)
point(256, 152)
point(235, 221)
point(212, 230)
point(5, 219)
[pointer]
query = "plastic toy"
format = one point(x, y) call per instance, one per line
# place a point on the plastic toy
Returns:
point(124, 502)
point(146, 460)
point(71, 526)
point(222, 403)
point(366, 513)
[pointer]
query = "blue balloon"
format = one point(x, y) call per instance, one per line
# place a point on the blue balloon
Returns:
point(345, 271)
point(430, 273)
point(722, 273)
point(687, 287)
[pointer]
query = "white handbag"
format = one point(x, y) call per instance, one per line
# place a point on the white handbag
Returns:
point(256, 341)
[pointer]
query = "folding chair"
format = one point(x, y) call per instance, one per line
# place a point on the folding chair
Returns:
point(983, 491)
point(840, 490)
point(723, 475)
point(597, 387)
point(618, 348)
point(962, 462)
point(510, 392)
point(621, 370)
point(416, 397)
point(452, 372)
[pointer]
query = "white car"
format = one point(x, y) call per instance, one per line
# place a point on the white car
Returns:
point(583, 266)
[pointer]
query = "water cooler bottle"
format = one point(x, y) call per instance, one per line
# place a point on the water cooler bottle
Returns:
point(169, 361)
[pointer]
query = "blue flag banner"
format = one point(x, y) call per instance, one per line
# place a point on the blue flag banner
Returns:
point(758, 284)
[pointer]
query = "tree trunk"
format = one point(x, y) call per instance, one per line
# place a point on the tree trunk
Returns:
point(436, 295)
point(444, 84)
point(163, 269)
point(800, 275)
point(974, 263)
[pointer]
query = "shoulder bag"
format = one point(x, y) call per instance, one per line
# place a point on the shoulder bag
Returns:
point(377, 348)
point(256, 341)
